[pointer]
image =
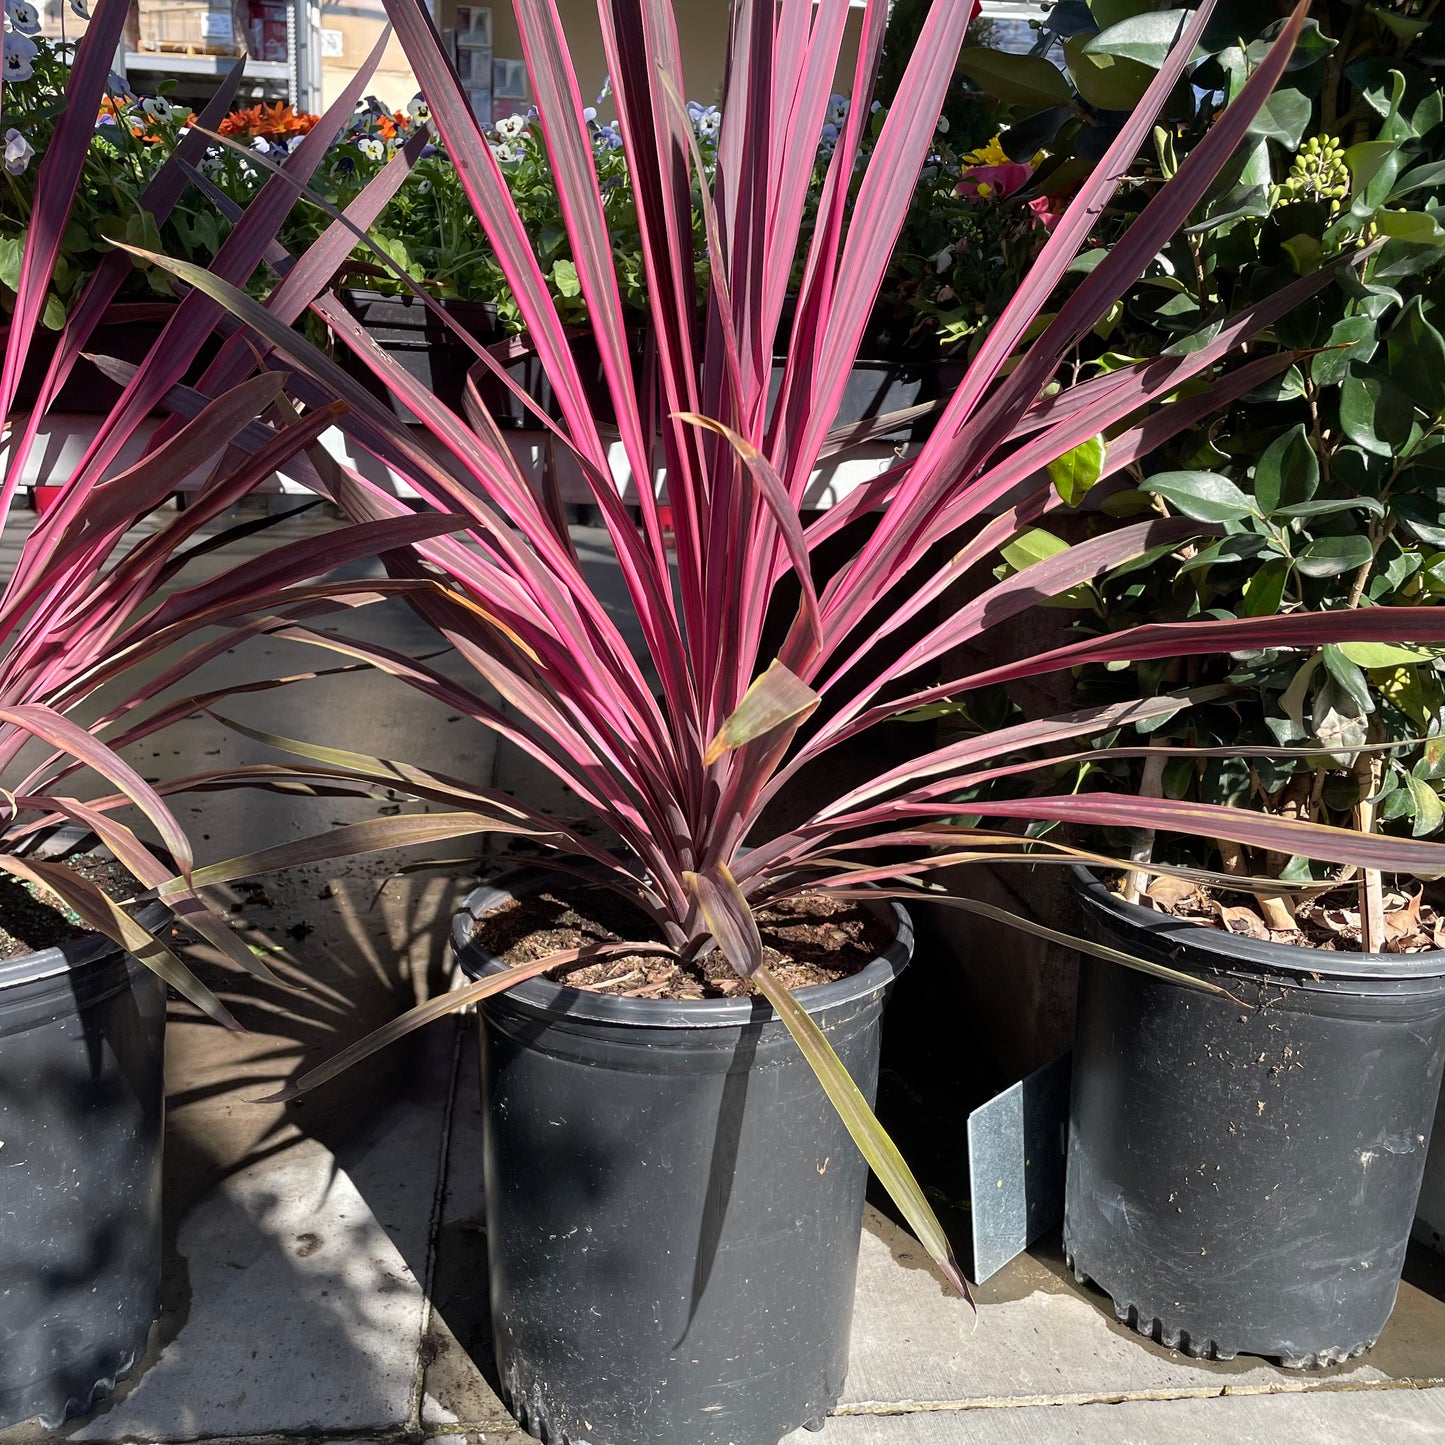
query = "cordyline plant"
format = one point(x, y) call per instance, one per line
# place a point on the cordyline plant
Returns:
point(682, 769)
point(89, 598)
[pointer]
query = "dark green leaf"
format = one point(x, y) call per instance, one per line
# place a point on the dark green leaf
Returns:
point(1375, 413)
point(1429, 814)
point(1423, 516)
point(1417, 227)
point(1147, 38)
point(1419, 178)
point(1349, 676)
point(1205, 496)
point(1356, 338)
point(1288, 472)
point(1329, 556)
point(1326, 507)
point(1017, 80)
point(1107, 81)
point(1416, 353)
point(1283, 118)
point(1264, 588)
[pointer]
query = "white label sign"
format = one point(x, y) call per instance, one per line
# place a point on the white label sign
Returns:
point(331, 46)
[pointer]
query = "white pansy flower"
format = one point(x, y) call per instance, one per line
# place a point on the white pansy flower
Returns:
point(158, 108)
point(706, 119)
point(78, 7)
point(18, 152)
point(371, 148)
point(418, 109)
point(261, 145)
point(506, 151)
point(837, 109)
point(23, 16)
point(19, 52)
point(943, 125)
point(511, 127)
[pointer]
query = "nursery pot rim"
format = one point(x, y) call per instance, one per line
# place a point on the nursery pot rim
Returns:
point(77, 953)
point(52, 844)
point(1235, 953)
point(576, 1003)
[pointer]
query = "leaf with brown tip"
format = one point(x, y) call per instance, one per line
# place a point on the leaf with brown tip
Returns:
point(776, 696)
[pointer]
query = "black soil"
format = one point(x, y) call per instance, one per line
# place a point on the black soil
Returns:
point(807, 940)
point(32, 918)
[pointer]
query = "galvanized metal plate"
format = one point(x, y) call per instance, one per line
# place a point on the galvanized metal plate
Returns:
point(1016, 1146)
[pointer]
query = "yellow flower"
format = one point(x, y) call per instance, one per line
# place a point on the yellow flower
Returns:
point(990, 155)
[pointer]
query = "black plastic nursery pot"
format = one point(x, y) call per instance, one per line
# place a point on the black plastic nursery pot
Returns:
point(673, 1206)
point(419, 342)
point(527, 372)
point(879, 386)
point(82, 1049)
point(127, 331)
point(1242, 1177)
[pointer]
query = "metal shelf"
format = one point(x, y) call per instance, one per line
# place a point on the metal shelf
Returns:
point(177, 64)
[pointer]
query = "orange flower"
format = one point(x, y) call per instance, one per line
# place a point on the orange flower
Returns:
point(272, 122)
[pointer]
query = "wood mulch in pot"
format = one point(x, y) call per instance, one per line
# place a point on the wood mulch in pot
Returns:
point(810, 939)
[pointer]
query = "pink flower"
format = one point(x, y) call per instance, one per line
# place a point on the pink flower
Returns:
point(1002, 180)
point(1049, 210)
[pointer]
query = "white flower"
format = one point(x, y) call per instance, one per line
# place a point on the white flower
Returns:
point(837, 109)
point(18, 152)
point(506, 151)
point(943, 261)
point(23, 16)
point(605, 91)
point(706, 119)
point(511, 127)
point(943, 125)
point(77, 7)
point(418, 109)
point(293, 143)
point(158, 108)
point(20, 51)
point(875, 107)
point(829, 137)
point(371, 148)
point(261, 144)
point(213, 166)
point(423, 186)
point(589, 113)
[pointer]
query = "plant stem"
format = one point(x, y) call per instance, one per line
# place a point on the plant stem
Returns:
point(1372, 903)
point(1151, 785)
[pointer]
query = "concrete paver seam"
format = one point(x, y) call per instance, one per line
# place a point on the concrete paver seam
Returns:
point(418, 1394)
point(1121, 1397)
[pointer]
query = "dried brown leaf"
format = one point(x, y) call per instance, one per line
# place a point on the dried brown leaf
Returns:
point(1244, 920)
